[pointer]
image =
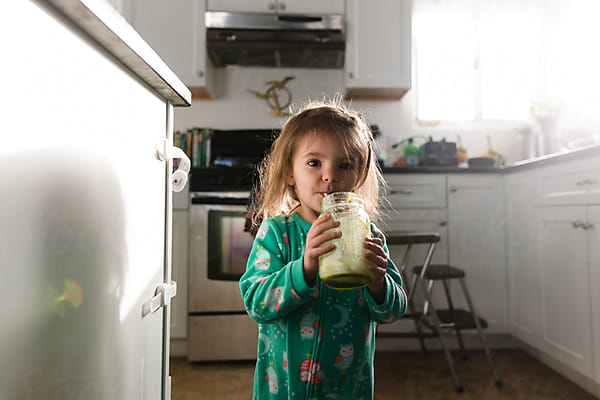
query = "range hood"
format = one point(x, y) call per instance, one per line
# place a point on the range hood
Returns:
point(272, 40)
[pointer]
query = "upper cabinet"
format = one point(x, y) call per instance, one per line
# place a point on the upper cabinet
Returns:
point(378, 48)
point(278, 6)
point(176, 31)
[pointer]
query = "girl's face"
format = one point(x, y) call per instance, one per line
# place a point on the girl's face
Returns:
point(319, 167)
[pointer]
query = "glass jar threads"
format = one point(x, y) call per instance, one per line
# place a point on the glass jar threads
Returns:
point(345, 267)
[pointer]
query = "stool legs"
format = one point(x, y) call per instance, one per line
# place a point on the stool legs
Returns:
point(457, 384)
point(410, 289)
point(480, 333)
point(451, 307)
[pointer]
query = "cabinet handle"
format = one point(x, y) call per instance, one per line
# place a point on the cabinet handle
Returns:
point(577, 223)
point(351, 75)
point(231, 38)
point(587, 181)
point(401, 191)
point(200, 73)
point(271, 6)
point(282, 6)
point(453, 188)
point(443, 223)
point(587, 225)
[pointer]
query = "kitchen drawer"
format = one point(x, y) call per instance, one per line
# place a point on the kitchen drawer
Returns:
point(416, 190)
point(578, 186)
point(222, 337)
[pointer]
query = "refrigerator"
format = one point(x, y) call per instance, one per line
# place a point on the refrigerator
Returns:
point(85, 205)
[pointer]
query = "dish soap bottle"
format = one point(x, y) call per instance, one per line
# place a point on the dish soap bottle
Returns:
point(411, 154)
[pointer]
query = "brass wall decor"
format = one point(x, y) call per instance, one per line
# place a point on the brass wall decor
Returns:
point(278, 96)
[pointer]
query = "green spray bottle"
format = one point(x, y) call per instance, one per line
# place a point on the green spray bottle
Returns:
point(411, 154)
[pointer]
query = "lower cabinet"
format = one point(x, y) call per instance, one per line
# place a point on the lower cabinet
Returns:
point(467, 210)
point(523, 252)
point(476, 223)
point(553, 256)
point(593, 237)
point(565, 284)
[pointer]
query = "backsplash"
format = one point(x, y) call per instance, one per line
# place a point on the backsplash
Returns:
point(236, 108)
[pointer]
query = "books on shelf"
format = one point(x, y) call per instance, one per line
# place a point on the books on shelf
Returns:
point(195, 143)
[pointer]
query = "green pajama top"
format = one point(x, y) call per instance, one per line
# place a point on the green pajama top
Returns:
point(313, 342)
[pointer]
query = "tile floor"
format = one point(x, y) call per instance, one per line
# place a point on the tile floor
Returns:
point(398, 375)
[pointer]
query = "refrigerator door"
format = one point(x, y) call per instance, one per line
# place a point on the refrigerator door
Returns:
point(84, 228)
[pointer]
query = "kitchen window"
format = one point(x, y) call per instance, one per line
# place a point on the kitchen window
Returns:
point(490, 60)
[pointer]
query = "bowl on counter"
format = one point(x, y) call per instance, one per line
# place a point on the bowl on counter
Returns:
point(481, 162)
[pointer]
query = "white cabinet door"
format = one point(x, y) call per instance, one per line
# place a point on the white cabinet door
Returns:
point(179, 308)
point(378, 48)
point(565, 281)
point(176, 31)
point(476, 230)
point(593, 217)
point(278, 6)
point(523, 266)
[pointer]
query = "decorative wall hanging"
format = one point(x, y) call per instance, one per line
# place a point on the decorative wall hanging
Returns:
point(277, 96)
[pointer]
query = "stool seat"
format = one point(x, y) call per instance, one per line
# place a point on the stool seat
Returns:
point(409, 237)
point(461, 319)
point(440, 271)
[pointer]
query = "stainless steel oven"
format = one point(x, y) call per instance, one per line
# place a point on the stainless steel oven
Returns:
point(219, 328)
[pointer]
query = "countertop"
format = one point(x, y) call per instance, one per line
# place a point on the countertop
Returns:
point(549, 159)
point(104, 25)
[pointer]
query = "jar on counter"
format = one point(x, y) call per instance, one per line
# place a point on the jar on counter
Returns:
point(345, 266)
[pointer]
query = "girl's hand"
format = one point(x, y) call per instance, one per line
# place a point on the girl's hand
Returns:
point(378, 264)
point(314, 239)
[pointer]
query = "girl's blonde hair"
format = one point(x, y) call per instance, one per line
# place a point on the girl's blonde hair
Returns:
point(277, 197)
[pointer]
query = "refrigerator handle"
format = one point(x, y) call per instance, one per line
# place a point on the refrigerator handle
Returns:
point(163, 294)
point(164, 152)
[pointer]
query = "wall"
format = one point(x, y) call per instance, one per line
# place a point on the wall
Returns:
point(235, 108)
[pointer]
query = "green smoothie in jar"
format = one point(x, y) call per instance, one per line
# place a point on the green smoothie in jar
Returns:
point(345, 267)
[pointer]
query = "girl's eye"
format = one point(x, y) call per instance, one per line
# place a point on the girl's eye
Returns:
point(314, 163)
point(346, 166)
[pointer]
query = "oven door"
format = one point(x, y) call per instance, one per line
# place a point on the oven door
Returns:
point(219, 252)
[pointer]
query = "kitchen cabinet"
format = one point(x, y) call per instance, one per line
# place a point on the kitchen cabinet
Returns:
point(553, 260)
point(523, 254)
point(417, 202)
point(565, 282)
point(86, 205)
point(476, 244)
point(278, 6)
point(593, 236)
point(468, 212)
point(378, 48)
point(416, 190)
point(176, 31)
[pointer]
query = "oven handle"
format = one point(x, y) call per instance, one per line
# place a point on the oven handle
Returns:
point(226, 201)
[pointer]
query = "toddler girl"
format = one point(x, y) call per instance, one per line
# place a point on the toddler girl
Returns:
point(316, 342)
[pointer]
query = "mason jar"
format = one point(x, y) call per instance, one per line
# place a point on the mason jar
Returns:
point(345, 266)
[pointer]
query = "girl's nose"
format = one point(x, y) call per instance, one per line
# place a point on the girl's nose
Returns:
point(328, 175)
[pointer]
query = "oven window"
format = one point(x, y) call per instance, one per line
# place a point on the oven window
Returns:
point(228, 245)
